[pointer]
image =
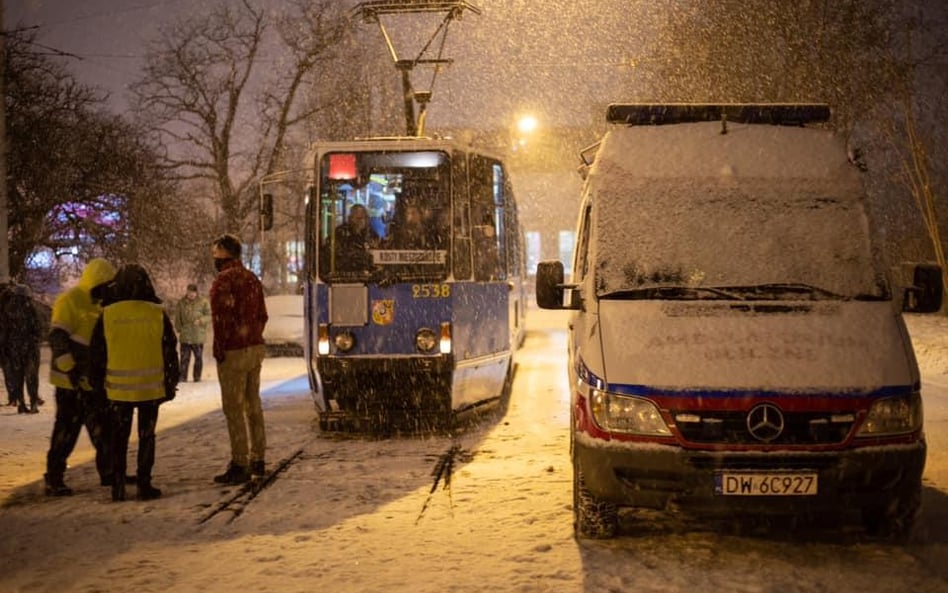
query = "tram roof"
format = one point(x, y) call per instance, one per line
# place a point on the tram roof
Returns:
point(400, 143)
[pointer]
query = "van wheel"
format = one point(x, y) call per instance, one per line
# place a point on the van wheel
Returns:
point(896, 517)
point(592, 518)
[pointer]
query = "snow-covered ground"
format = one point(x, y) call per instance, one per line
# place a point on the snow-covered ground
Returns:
point(358, 514)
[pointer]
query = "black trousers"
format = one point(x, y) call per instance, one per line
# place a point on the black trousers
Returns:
point(75, 409)
point(121, 414)
point(186, 351)
point(21, 367)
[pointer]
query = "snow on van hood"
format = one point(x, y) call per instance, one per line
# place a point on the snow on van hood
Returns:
point(806, 346)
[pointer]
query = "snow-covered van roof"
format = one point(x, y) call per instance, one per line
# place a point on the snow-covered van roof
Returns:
point(787, 114)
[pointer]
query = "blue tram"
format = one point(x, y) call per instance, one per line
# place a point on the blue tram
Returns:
point(414, 296)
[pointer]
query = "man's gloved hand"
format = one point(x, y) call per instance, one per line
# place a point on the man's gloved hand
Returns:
point(170, 393)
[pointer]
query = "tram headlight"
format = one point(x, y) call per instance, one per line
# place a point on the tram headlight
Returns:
point(322, 342)
point(426, 340)
point(344, 341)
point(446, 337)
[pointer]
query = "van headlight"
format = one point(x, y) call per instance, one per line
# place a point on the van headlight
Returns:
point(893, 415)
point(621, 413)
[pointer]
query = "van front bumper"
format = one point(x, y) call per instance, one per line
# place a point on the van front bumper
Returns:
point(653, 476)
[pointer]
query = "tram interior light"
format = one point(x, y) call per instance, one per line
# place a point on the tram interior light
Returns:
point(342, 166)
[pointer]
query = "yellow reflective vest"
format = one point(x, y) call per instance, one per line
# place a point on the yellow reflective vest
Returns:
point(135, 365)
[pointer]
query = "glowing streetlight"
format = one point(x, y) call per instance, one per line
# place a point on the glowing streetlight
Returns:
point(526, 127)
point(527, 124)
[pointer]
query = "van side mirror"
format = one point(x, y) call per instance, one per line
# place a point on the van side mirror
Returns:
point(925, 294)
point(550, 287)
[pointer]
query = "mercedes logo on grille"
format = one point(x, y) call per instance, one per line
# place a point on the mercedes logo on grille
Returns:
point(765, 422)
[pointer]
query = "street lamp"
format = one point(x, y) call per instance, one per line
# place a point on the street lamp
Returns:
point(526, 126)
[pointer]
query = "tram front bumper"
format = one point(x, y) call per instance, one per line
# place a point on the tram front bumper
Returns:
point(368, 385)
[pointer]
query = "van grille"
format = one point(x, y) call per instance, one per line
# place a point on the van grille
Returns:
point(731, 428)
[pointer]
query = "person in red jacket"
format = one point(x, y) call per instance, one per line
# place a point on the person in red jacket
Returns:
point(238, 316)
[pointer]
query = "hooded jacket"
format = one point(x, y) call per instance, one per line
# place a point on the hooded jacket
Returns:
point(133, 345)
point(74, 316)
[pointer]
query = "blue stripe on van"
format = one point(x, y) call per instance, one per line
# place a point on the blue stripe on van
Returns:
point(592, 379)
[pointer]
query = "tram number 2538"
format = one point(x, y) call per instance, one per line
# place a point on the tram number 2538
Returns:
point(430, 291)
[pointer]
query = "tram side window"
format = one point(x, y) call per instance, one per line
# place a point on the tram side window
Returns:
point(513, 236)
point(487, 219)
point(462, 214)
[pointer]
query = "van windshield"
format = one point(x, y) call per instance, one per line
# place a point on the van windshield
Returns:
point(748, 239)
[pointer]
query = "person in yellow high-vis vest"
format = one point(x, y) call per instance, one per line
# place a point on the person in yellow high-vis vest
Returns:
point(135, 360)
point(75, 313)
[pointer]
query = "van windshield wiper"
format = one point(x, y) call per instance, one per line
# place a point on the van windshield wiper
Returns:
point(776, 289)
point(674, 293)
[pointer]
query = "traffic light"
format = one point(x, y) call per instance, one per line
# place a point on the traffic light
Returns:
point(266, 212)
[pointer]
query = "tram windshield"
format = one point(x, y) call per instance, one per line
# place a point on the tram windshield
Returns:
point(384, 216)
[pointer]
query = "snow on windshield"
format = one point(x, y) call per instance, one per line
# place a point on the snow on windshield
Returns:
point(687, 205)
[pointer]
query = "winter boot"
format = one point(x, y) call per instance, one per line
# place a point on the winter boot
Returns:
point(22, 409)
point(118, 492)
point(148, 492)
point(56, 487)
point(257, 470)
point(235, 474)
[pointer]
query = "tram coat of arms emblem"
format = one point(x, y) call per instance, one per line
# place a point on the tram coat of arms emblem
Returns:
point(383, 311)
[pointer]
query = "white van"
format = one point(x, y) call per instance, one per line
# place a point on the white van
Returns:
point(737, 342)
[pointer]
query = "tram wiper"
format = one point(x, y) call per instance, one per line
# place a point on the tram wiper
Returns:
point(383, 277)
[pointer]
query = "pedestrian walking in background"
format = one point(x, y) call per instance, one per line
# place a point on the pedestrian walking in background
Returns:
point(75, 313)
point(192, 317)
point(5, 288)
point(134, 360)
point(239, 314)
point(23, 329)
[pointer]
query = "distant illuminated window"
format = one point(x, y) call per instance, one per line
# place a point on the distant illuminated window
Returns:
point(251, 257)
point(532, 239)
point(294, 261)
point(567, 244)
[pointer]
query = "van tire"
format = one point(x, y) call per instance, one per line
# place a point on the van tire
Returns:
point(593, 518)
point(896, 517)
